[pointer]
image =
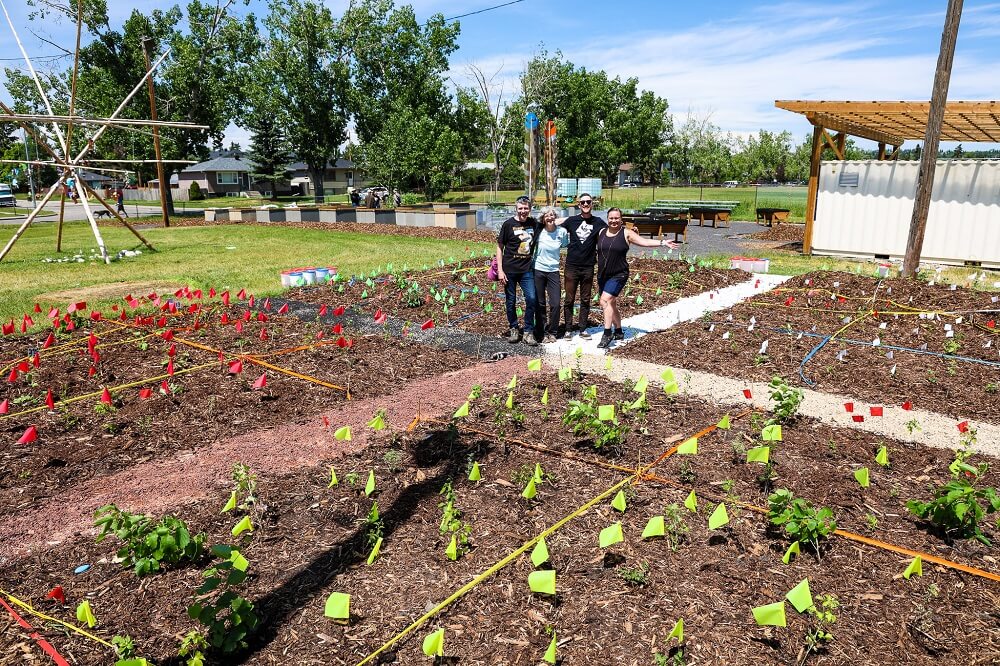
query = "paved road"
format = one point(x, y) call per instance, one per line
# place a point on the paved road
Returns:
point(76, 212)
point(709, 240)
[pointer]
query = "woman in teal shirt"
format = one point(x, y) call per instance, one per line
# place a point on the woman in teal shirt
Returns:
point(551, 239)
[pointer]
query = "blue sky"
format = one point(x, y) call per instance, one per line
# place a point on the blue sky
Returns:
point(729, 60)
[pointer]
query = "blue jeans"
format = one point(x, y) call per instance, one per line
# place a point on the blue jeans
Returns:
point(527, 284)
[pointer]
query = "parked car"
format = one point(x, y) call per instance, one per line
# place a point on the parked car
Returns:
point(7, 195)
point(730, 183)
point(628, 185)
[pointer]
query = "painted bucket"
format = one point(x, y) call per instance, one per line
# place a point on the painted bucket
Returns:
point(286, 278)
point(296, 279)
point(884, 270)
point(333, 272)
point(309, 275)
point(322, 275)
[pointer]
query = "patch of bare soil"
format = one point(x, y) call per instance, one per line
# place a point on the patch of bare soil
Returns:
point(885, 341)
point(106, 291)
point(613, 605)
point(788, 233)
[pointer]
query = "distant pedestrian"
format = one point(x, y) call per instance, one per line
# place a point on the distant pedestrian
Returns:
point(120, 198)
point(355, 197)
point(370, 199)
point(580, 257)
point(397, 198)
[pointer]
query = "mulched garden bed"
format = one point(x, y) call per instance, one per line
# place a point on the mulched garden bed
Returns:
point(368, 229)
point(461, 295)
point(614, 605)
point(876, 315)
point(789, 233)
point(85, 438)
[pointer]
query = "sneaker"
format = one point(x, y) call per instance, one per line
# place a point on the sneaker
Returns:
point(605, 341)
point(585, 335)
point(619, 334)
point(529, 339)
point(514, 337)
point(549, 339)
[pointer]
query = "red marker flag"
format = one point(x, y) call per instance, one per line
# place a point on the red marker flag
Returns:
point(747, 394)
point(225, 319)
point(242, 294)
point(170, 367)
point(145, 393)
point(876, 411)
point(858, 418)
point(236, 367)
point(225, 298)
point(907, 405)
point(339, 311)
point(246, 316)
point(963, 427)
point(106, 396)
point(74, 307)
point(211, 292)
point(322, 310)
point(239, 326)
point(267, 304)
point(23, 367)
point(95, 315)
point(168, 334)
point(54, 313)
point(12, 377)
point(260, 383)
point(341, 342)
point(261, 316)
point(70, 326)
point(172, 351)
point(36, 360)
point(4, 406)
point(337, 329)
point(283, 309)
point(92, 371)
point(57, 594)
point(29, 436)
point(427, 324)
point(28, 320)
point(263, 334)
point(49, 341)
point(38, 308)
point(8, 329)
point(379, 317)
point(251, 300)
point(789, 300)
point(165, 387)
point(49, 400)
point(849, 407)
point(326, 422)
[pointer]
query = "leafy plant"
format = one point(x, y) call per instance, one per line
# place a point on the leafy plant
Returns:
point(147, 545)
point(245, 486)
point(451, 519)
point(393, 459)
point(104, 409)
point(767, 476)
point(636, 576)
point(786, 399)
point(374, 527)
point(525, 473)
point(352, 478)
point(952, 345)
point(674, 528)
point(582, 417)
point(800, 520)
point(191, 647)
point(228, 617)
point(912, 425)
point(124, 646)
point(687, 473)
point(872, 521)
point(959, 506)
point(823, 619)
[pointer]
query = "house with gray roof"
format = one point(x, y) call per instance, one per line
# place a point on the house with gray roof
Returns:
point(339, 175)
point(219, 176)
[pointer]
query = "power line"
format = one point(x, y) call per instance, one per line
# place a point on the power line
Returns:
point(487, 9)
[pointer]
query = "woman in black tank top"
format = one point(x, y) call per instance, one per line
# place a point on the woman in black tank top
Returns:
point(612, 270)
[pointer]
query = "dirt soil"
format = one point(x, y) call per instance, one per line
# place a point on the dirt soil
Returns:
point(82, 438)
point(615, 605)
point(789, 233)
point(900, 350)
point(462, 295)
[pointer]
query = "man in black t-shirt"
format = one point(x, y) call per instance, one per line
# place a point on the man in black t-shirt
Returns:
point(515, 253)
point(580, 259)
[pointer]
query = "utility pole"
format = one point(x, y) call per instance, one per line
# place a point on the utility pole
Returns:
point(928, 158)
point(156, 135)
point(30, 166)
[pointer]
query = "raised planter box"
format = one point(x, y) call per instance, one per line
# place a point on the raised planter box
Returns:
point(310, 214)
point(293, 215)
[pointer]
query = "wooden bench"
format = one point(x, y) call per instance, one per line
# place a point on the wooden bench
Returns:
point(718, 217)
point(771, 215)
point(656, 226)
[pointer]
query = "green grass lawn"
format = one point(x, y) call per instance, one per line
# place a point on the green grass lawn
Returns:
point(223, 257)
point(17, 211)
point(750, 198)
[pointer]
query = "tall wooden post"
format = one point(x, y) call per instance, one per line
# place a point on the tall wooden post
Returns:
point(881, 151)
point(156, 135)
point(928, 159)
point(817, 151)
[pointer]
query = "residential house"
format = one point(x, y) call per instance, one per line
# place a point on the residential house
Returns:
point(220, 176)
point(339, 175)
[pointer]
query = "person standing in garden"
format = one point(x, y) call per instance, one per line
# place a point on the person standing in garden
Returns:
point(515, 252)
point(612, 247)
point(580, 257)
point(551, 239)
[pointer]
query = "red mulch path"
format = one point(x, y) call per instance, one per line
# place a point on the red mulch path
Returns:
point(310, 541)
point(811, 304)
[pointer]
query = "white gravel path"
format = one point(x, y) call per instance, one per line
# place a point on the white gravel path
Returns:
point(934, 429)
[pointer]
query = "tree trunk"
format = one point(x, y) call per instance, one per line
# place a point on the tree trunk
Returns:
point(169, 195)
point(316, 178)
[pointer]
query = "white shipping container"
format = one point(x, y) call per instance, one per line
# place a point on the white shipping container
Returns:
point(566, 187)
point(863, 209)
point(591, 186)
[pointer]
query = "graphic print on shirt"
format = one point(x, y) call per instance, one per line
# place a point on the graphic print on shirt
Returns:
point(583, 232)
point(526, 237)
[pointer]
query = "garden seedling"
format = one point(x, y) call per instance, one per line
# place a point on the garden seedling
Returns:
point(229, 617)
point(786, 400)
point(823, 619)
point(674, 528)
point(959, 506)
point(147, 545)
point(636, 576)
point(799, 519)
point(245, 486)
point(451, 521)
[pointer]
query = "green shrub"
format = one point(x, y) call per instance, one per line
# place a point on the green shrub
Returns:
point(800, 520)
point(195, 193)
point(785, 398)
point(147, 545)
point(959, 506)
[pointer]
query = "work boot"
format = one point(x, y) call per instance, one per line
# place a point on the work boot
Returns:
point(605, 340)
point(514, 337)
point(619, 334)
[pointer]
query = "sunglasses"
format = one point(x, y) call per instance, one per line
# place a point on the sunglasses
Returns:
point(586, 202)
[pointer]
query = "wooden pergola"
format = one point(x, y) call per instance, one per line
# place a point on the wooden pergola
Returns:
point(888, 124)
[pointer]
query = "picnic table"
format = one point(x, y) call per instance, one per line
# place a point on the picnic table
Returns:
point(656, 225)
point(772, 215)
point(715, 213)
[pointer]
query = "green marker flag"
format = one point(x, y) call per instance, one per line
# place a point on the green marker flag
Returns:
point(607, 363)
point(85, 614)
point(231, 504)
point(641, 384)
point(434, 644)
point(882, 457)
point(529, 490)
point(333, 478)
point(510, 400)
point(688, 447)
point(462, 411)
point(771, 433)
point(240, 563)
point(343, 433)
point(654, 528)
point(772, 615)
point(619, 501)
point(243, 526)
point(565, 374)
point(639, 403)
point(670, 388)
point(513, 383)
point(579, 352)
point(545, 396)
point(668, 376)
point(364, 294)
point(539, 474)
point(370, 486)
point(606, 412)
point(794, 549)
point(535, 364)
point(338, 606)
point(376, 549)
point(724, 423)
point(542, 582)
point(678, 631)
point(759, 454)
point(475, 474)
point(916, 567)
point(861, 476)
point(451, 552)
point(377, 423)
point(540, 554)
point(692, 502)
point(718, 518)
point(550, 654)
point(800, 596)
point(611, 535)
